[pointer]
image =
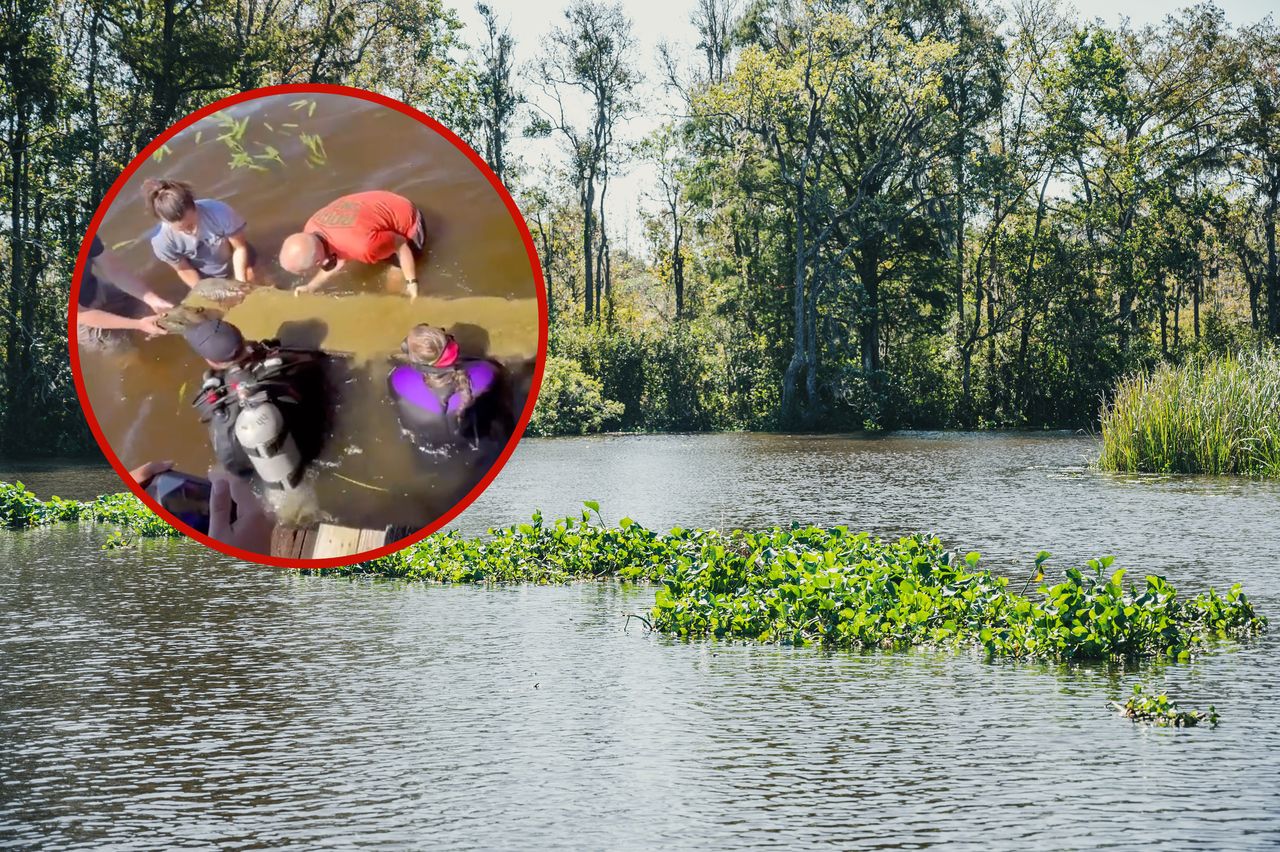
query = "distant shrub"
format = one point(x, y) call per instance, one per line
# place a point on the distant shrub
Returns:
point(571, 402)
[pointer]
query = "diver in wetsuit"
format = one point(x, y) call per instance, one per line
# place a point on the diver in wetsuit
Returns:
point(267, 407)
point(444, 399)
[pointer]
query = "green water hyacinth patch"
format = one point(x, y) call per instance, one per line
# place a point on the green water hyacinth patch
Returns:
point(832, 587)
point(797, 586)
point(20, 509)
point(849, 590)
point(1160, 711)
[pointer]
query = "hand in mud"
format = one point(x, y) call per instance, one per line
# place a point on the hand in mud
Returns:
point(150, 326)
point(142, 474)
point(306, 288)
point(251, 529)
point(411, 287)
point(159, 304)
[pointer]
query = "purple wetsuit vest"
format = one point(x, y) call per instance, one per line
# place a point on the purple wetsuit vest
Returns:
point(409, 385)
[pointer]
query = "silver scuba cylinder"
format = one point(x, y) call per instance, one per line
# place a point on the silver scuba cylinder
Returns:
point(260, 429)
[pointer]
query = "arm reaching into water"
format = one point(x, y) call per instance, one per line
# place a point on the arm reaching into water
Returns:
point(95, 318)
point(119, 273)
point(251, 530)
point(319, 278)
point(240, 252)
point(188, 273)
point(408, 266)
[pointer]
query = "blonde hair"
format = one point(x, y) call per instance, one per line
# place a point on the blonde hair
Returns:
point(424, 345)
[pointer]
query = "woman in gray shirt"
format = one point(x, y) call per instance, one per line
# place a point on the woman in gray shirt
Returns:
point(199, 238)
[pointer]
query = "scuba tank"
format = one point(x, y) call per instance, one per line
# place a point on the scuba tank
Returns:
point(261, 432)
point(269, 415)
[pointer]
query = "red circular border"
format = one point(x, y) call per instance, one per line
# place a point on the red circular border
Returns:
point(534, 263)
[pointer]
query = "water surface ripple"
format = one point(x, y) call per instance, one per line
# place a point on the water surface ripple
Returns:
point(175, 699)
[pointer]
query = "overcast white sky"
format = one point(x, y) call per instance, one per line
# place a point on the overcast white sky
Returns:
point(655, 21)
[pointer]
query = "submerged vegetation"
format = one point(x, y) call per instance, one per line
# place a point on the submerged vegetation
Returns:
point(797, 586)
point(1160, 711)
point(1215, 415)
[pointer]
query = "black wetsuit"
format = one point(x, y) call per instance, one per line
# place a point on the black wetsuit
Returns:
point(297, 386)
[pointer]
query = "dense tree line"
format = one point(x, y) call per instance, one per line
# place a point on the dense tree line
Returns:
point(862, 214)
point(88, 83)
point(934, 214)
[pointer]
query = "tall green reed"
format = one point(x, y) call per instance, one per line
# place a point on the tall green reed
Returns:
point(1217, 415)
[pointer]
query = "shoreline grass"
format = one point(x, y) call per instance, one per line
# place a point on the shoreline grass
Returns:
point(1210, 415)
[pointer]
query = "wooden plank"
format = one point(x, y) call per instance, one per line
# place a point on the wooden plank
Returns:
point(370, 540)
point(327, 540)
point(287, 541)
point(308, 550)
point(335, 541)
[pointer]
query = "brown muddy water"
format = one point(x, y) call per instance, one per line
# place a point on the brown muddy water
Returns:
point(475, 280)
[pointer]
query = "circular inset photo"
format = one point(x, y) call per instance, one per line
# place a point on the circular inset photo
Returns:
point(308, 325)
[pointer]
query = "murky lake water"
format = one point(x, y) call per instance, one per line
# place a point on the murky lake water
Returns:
point(177, 698)
point(475, 280)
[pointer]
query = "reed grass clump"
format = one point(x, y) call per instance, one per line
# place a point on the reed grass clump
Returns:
point(1217, 415)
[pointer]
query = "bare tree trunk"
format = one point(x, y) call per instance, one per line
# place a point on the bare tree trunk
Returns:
point(791, 378)
point(588, 235)
point(1196, 285)
point(1177, 314)
point(1164, 319)
point(1273, 263)
point(869, 275)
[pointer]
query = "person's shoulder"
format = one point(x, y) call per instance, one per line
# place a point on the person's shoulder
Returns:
point(212, 205)
point(164, 242)
point(96, 247)
point(219, 210)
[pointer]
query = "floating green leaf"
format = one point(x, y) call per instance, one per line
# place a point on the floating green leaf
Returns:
point(1160, 711)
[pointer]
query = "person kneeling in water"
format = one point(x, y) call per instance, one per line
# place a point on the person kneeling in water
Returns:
point(443, 398)
point(267, 407)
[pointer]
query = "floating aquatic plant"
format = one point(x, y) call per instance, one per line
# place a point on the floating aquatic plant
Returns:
point(19, 509)
point(235, 129)
point(269, 152)
point(797, 586)
point(1160, 711)
point(116, 540)
point(160, 153)
point(833, 587)
point(317, 156)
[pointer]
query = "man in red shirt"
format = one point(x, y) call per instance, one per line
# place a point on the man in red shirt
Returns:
point(368, 227)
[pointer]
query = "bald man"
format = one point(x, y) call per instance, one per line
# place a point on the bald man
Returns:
point(367, 227)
